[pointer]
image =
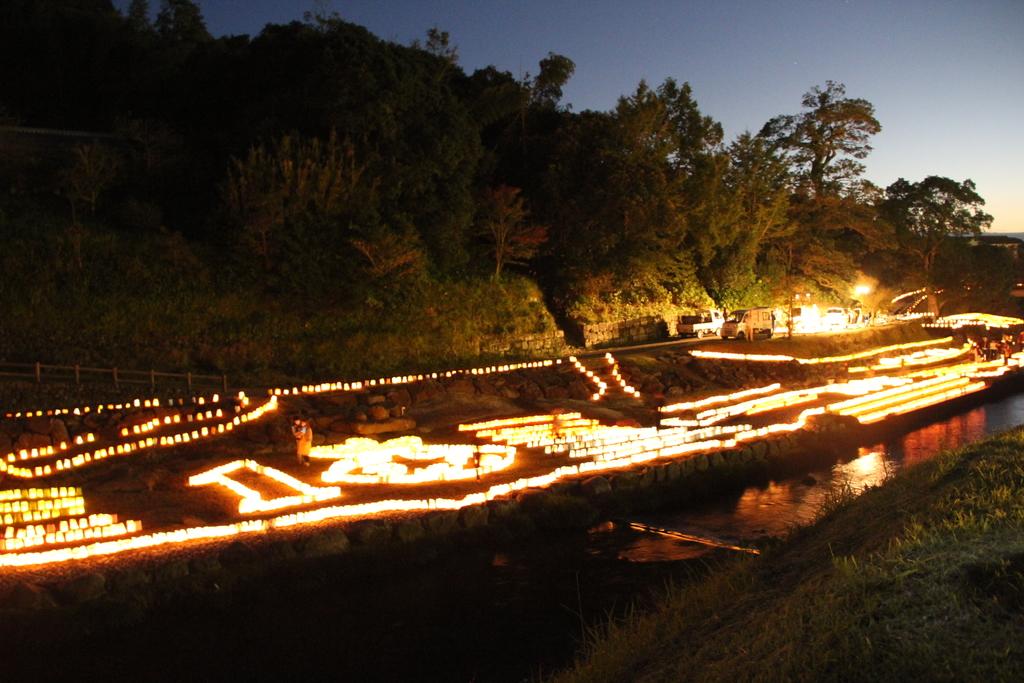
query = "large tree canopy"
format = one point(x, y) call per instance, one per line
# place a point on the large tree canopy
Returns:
point(826, 141)
point(926, 216)
point(321, 162)
point(619, 197)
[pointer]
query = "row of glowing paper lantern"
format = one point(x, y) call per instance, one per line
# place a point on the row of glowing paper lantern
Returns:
point(617, 376)
point(904, 399)
point(365, 461)
point(908, 401)
point(53, 516)
point(73, 530)
point(909, 398)
point(600, 384)
point(996, 368)
point(87, 438)
point(617, 445)
point(720, 398)
point(614, 446)
point(156, 422)
point(262, 525)
point(251, 500)
point(917, 358)
point(40, 504)
point(584, 438)
point(765, 400)
point(986, 320)
point(328, 387)
point(325, 387)
point(904, 295)
point(534, 431)
point(777, 358)
point(49, 451)
point(114, 407)
point(126, 448)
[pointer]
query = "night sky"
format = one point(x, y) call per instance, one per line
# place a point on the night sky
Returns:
point(946, 78)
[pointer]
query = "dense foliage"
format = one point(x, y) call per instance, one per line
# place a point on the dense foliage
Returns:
point(319, 173)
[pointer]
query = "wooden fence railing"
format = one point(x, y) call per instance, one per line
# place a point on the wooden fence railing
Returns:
point(79, 374)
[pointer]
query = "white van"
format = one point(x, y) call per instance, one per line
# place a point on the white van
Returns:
point(749, 323)
point(835, 319)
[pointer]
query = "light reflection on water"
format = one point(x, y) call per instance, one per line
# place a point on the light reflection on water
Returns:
point(775, 508)
point(655, 548)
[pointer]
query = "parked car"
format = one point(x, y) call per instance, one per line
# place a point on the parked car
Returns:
point(835, 319)
point(701, 325)
point(806, 319)
point(749, 323)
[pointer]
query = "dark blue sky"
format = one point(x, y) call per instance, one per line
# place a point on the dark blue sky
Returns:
point(946, 78)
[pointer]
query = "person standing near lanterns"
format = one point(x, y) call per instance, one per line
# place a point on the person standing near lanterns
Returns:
point(302, 430)
point(978, 350)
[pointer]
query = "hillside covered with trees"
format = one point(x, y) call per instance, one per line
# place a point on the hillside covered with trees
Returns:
point(314, 200)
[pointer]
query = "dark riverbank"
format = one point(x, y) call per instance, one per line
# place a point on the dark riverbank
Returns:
point(920, 578)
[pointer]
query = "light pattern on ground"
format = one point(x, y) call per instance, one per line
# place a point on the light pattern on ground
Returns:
point(134, 446)
point(252, 500)
point(407, 460)
point(51, 527)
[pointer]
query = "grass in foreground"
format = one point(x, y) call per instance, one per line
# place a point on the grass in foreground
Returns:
point(922, 578)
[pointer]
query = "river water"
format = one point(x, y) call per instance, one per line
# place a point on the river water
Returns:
point(772, 509)
point(515, 611)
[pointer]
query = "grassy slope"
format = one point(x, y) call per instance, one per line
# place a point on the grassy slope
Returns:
point(920, 578)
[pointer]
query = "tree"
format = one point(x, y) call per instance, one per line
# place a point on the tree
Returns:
point(927, 215)
point(504, 223)
point(94, 168)
point(291, 185)
point(181, 22)
point(976, 278)
point(138, 16)
point(831, 218)
point(802, 259)
point(546, 87)
point(695, 135)
point(543, 91)
point(619, 199)
point(742, 207)
point(389, 256)
point(439, 44)
point(825, 142)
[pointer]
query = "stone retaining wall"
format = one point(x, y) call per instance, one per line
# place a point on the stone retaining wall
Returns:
point(644, 329)
point(624, 331)
point(531, 345)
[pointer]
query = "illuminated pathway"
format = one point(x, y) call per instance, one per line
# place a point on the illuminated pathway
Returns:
point(42, 523)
